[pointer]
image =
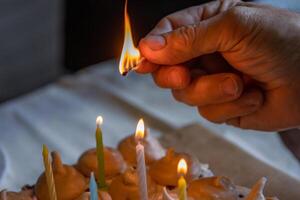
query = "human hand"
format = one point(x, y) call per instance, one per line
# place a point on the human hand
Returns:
point(237, 62)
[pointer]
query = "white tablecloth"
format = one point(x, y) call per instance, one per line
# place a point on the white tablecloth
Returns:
point(62, 115)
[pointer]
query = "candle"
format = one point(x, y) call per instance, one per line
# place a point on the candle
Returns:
point(100, 154)
point(49, 174)
point(4, 195)
point(182, 169)
point(140, 159)
point(93, 188)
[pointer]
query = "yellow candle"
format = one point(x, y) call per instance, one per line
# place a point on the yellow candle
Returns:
point(49, 174)
point(100, 155)
point(182, 169)
point(182, 188)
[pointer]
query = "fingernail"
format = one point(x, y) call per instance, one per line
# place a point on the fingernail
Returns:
point(252, 103)
point(229, 87)
point(155, 42)
point(253, 100)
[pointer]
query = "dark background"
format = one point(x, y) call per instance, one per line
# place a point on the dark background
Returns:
point(94, 32)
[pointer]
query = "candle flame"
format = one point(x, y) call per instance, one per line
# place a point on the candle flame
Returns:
point(99, 120)
point(182, 167)
point(130, 54)
point(140, 130)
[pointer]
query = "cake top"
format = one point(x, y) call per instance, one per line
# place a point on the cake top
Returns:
point(71, 181)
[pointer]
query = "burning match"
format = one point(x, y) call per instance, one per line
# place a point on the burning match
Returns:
point(130, 55)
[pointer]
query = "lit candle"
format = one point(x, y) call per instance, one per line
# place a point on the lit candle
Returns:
point(49, 174)
point(140, 159)
point(182, 169)
point(100, 154)
point(93, 188)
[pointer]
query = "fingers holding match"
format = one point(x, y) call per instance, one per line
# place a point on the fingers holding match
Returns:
point(145, 67)
point(219, 97)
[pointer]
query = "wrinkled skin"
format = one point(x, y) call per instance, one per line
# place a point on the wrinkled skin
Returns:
point(237, 62)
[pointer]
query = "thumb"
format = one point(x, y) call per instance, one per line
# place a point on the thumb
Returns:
point(187, 42)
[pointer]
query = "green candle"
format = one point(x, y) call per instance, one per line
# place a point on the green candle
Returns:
point(100, 155)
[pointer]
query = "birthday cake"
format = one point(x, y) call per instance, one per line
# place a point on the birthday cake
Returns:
point(122, 176)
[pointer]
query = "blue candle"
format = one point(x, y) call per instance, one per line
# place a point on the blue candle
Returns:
point(93, 188)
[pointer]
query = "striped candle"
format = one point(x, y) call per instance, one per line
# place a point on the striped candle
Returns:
point(49, 174)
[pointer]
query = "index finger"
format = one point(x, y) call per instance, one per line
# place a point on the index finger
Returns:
point(189, 16)
point(181, 18)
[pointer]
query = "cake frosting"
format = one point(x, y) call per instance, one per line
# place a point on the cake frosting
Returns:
point(217, 187)
point(125, 187)
point(153, 149)
point(256, 192)
point(114, 163)
point(164, 171)
point(69, 182)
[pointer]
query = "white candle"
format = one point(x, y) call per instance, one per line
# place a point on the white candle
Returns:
point(4, 195)
point(140, 160)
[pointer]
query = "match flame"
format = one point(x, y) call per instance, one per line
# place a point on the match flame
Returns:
point(140, 130)
point(182, 167)
point(130, 54)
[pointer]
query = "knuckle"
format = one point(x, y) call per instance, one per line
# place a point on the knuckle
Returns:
point(164, 25)
point(235, 13)
point(187, 36)
point(164, 21)
point(240, 15)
